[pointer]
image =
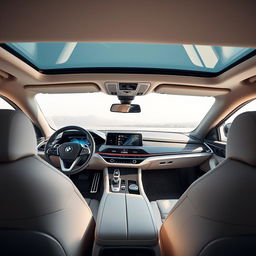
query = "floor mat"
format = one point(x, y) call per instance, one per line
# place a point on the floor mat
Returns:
point(162, 184)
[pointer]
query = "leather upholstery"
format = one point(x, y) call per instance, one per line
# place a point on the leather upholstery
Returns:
point(17, 136)
point(28, 242)
point(34, 195)
point(219, 204)
point(241, 144)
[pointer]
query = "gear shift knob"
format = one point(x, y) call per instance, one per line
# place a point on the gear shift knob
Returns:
point(116, 181)
point(116, 176)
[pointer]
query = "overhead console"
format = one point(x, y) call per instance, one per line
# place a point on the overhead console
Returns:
point(127, 89)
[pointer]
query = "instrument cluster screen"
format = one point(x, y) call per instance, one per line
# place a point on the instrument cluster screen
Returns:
point(81, 141)
point(124, 139)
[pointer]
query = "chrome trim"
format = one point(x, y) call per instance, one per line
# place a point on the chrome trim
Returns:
point(89, 150)
point(208, 147)
point(40, 144)
point(95, 183)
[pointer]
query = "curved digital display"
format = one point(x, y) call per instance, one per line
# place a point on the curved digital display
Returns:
point(124, 139)
point(81, 141)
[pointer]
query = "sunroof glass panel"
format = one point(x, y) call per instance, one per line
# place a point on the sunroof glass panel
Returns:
point(70, 55)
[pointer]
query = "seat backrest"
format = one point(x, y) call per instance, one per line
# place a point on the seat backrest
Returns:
point(40, 207)
point(218, 210)
point(235, 246)
point(15, 242)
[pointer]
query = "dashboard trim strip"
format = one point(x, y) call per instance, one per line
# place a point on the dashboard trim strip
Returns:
point(178, 161)
point(147, 155)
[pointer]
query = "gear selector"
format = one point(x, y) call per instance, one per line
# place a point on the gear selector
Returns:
point(116, 181)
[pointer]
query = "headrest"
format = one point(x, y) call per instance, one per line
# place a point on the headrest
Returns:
point(17, 136)
point(241, 144)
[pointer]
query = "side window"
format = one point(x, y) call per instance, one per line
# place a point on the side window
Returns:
point(4, 104)
point(223, 129)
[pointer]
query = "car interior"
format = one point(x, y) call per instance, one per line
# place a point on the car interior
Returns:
point(128, 128)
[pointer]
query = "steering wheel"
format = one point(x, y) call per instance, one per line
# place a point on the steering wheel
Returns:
point(73, 156)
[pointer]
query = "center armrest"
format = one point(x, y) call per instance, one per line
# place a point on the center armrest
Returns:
point(112, 219)
point(140, 222)
point(125, 219)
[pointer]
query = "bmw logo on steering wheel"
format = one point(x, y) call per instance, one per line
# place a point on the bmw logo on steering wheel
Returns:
point(68, 149)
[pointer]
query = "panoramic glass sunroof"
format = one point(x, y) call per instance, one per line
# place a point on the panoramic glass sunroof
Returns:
point(72, 55)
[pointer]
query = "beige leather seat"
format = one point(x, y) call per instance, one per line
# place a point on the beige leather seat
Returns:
point(217, 214)
point(42, 212)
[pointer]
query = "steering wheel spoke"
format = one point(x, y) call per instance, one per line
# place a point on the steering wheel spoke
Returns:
point(72, 165)
point(85, 150)
point(53, 151)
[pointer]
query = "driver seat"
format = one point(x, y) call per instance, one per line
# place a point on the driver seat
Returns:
point(42, 212)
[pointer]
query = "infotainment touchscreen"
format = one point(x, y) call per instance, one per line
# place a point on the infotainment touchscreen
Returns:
point(124, 139)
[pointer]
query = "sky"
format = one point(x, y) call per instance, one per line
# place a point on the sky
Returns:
point(4, 104)
point(92, 110)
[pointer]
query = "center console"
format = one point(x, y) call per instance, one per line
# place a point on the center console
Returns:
point(123, 180)
point(125, 219)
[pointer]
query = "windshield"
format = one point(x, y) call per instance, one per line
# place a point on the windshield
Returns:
point(159, 112)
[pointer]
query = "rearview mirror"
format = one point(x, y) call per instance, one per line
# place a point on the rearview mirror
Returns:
point(125, 108)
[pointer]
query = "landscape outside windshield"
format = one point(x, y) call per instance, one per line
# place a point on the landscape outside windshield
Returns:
point(159, 112)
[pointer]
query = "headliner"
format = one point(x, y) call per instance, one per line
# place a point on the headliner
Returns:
point(227, 23)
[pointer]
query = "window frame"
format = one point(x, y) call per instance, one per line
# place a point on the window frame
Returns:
point(217, 127)
point(11, 103)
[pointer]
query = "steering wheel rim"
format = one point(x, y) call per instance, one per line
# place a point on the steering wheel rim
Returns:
point(62, 151)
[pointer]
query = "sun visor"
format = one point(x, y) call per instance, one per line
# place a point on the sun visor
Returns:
point(64, 88)
point(190, 90)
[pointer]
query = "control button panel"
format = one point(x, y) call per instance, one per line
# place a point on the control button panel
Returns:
point(121, 150)
point(122, 161)
point(124, 155)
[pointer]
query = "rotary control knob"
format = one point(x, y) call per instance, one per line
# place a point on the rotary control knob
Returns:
point(133, 188)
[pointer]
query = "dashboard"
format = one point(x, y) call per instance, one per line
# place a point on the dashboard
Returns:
point(145, 150)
